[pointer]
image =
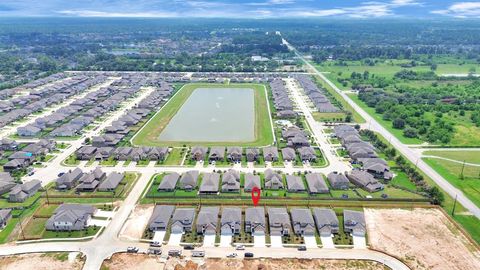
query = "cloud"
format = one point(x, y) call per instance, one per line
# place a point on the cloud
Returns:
point(372, 9)
point(93, 13)
point(461, 10)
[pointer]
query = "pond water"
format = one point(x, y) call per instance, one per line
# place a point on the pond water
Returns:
point(214, 115)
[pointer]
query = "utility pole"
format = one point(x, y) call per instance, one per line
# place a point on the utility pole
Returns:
point(463, 168)
point(454, 205)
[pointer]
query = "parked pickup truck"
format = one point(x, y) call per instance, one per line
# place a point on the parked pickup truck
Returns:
point(198, 253)
point(132, 249)
point(174, 252)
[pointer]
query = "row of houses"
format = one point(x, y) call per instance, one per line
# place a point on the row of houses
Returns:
point(281, 221)
point(89, 181)
point(234, 154)
point(235, 77)
point(229, 181)
point(40, 99)
point(68, 121)
point(17, 192)
point(318, 98)
point(121, 127)
point(122, 153)
point(363, 153)
point(28, 155)
point(281, 101)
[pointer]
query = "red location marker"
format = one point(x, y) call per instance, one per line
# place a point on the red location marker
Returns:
point(256, 192)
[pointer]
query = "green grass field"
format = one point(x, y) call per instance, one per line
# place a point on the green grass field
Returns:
point(451, 171)
point(148, 135)
point(467, 156)
point(387, 69)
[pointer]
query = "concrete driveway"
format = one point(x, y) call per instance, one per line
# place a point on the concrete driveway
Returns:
point(327, 242)
point(175, 239)
point(310, 241)
point(225, 240)
point(276, 241)
point(359, 242)
point(209, 240)
point(259, 241)
point(98, 222)
point(158, 236)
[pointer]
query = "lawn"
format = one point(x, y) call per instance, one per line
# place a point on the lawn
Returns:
point(149, 133)
point(472, 156)
point(175, 157)
point(451, 171)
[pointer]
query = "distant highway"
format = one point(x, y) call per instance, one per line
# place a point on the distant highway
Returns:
point(411, 155)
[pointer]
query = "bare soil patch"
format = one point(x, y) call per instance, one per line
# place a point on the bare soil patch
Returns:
point(41, 261)
point(137, 221)
point(423, 238)
point(141, 261)
point(122, 261)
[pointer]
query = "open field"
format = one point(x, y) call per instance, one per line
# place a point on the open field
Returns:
point(142, 261)
point(422, 238)
point(387, 69)
point(470, 156)
point(469, 183)
point(42, 261)
point(148, 135)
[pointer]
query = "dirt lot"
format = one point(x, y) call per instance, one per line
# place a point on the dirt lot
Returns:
point(121, 261)
point(41, 261)
point(141, 261)
point(423, 238)
point(286, 264)
point(137, 221)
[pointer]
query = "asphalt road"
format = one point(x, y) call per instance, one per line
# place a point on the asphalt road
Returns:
point(411, 155)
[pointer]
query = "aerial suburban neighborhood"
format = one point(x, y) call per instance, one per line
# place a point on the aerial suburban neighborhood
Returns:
point(240, 143)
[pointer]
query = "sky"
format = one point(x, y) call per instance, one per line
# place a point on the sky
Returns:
point(242, 8)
